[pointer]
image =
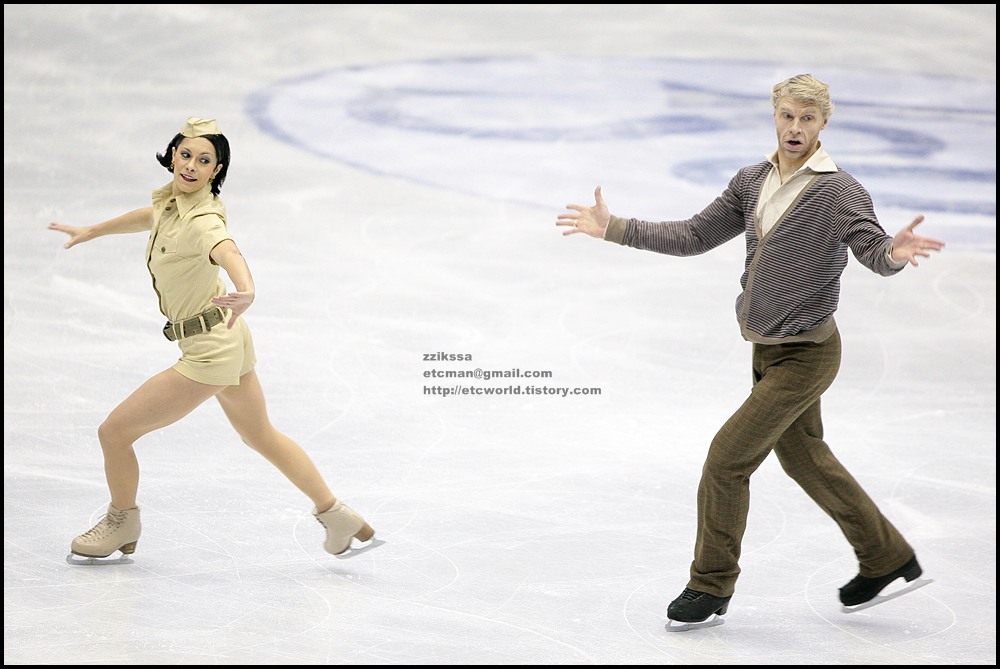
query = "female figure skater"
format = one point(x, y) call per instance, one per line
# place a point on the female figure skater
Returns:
point(188, 243)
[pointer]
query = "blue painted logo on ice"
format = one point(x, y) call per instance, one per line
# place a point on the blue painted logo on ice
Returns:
point(661, 136)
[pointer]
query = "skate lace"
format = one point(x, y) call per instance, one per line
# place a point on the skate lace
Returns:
point(689, 595)
point(107, 525)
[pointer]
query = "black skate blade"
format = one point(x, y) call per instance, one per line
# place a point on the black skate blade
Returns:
point(355, 551)
point(80, 560)
point(883, 598)
point(675, 626)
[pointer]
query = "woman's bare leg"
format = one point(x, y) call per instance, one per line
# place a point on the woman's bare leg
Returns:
point(162, 400)
point(246, 409)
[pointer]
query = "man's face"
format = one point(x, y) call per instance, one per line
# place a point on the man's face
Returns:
point(798, 126)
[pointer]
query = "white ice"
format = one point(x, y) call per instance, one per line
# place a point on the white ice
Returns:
point(396, 176)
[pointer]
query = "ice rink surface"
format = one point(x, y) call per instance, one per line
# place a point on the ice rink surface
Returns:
point(396, 176)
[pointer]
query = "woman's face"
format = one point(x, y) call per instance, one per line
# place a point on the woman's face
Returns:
point(194, 164)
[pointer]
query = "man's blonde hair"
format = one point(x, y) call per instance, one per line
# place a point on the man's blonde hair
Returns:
point(804, 88)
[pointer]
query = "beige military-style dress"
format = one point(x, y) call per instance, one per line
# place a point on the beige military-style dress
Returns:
point(186, 227)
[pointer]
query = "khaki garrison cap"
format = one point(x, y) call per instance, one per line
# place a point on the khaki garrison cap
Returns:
point(196, 127)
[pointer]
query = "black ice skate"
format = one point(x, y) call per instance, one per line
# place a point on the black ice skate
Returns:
point(695, 610)
point(863, 592)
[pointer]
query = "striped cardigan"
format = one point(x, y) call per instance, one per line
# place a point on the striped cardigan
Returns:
point(791, 278)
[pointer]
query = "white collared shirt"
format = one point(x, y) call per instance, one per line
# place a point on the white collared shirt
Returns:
point(776, 197)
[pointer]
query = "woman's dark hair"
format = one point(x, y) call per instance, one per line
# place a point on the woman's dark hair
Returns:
point(221, 145)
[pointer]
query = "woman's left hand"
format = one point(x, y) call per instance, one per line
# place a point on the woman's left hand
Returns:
point(236, 302)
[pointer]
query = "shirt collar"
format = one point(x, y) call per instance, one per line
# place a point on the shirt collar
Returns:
point(818, 162)
point(185, 201)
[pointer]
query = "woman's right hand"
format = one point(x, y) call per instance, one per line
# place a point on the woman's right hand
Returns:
point(76, 235)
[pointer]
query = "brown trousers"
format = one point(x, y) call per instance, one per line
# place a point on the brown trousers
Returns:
point(782, 414)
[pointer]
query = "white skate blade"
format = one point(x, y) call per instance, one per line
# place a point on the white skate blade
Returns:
point(675, 626)
point(353, 551)
point(75, 559)
point(883, 598)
